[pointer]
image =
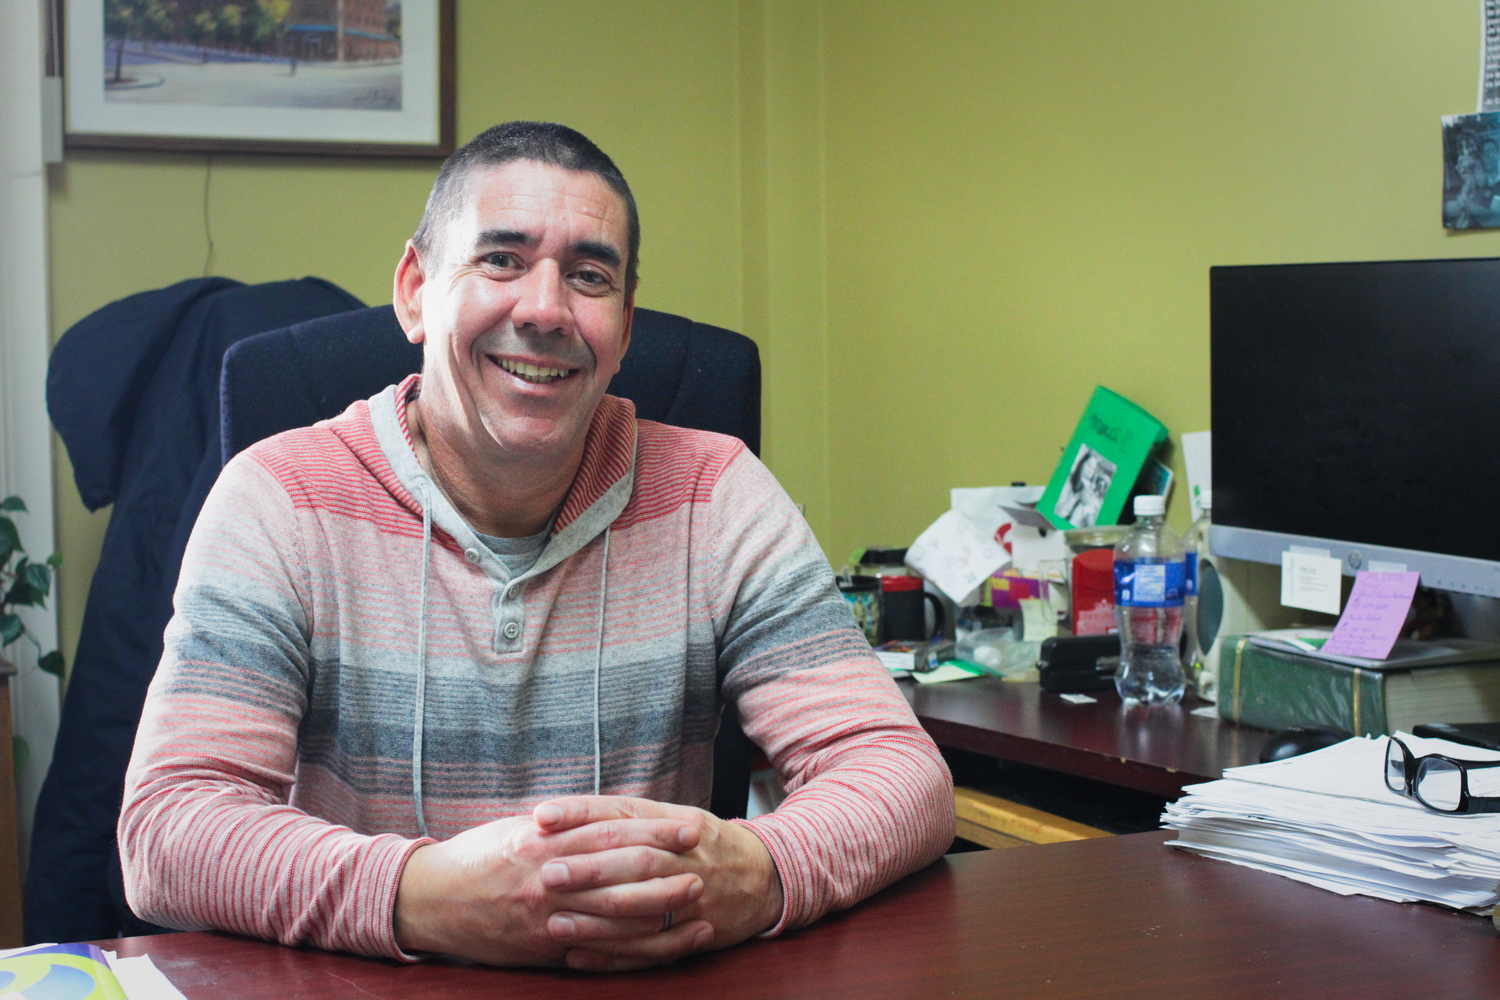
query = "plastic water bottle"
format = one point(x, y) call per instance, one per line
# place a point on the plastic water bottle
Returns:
point(1150, 580)
point(1195, 555)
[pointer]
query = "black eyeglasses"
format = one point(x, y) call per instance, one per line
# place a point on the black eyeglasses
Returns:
point(1436, 781)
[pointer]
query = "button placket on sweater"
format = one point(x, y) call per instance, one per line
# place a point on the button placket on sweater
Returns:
point(510, 617)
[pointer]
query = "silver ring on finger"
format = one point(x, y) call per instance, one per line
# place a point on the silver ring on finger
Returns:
point(666, 921)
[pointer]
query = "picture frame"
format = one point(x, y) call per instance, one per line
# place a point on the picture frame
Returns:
point(307, 77)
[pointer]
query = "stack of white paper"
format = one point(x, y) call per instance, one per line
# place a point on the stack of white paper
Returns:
point(1328, 819)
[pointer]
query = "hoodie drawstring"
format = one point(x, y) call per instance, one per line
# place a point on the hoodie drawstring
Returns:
point(420, 711)
point(599, 665)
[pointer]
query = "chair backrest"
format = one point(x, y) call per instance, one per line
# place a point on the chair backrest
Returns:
point(676, 372)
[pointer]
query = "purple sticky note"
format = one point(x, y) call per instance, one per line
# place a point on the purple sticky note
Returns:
point(1372, 620)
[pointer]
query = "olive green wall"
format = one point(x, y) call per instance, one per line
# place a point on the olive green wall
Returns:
point(1024, 199)
point(942, 222)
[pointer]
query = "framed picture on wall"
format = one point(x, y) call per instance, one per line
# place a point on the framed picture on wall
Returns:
point(356, 77)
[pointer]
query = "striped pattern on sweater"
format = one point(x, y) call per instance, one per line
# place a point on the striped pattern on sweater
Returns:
point(271, 788)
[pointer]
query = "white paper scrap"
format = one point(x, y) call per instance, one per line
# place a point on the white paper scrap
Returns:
point(1078, 699)
point(1206, 712)
point(1030, 547)
point(1038, 620)
point(1198, 458)
point(1489, 58)
point(955, 554)
point(985, 505)
point(895, 662)
point(1310, 581)
point(141, 979)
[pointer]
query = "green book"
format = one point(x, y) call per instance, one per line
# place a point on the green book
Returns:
point(1100, 465)
point(1268, 683)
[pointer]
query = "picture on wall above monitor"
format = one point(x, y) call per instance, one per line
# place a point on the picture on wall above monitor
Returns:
point(1471, 171)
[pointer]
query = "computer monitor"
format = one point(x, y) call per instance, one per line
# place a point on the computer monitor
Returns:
point(1356, 408)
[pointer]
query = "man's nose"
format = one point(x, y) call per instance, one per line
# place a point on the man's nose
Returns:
point(542, 300)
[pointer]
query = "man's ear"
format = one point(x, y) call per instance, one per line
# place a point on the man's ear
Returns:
point(407, 294)
point(629, 321)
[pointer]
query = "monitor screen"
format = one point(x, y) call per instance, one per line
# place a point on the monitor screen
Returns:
point(1359, 404)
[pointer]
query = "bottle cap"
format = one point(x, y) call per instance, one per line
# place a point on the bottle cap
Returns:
point(1150, 505)
point(1205, 499)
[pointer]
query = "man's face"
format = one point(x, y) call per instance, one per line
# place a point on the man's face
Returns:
point(525, 316)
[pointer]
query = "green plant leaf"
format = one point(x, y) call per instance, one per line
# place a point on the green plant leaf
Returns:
point(13, 503)
point(53, 664)
point(11, 629)
point(10, 540)
point(39, 575)
point(20, 592)
point(55, 560)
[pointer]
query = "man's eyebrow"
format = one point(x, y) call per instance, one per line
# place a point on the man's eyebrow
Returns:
point(604, 253)
point(503, 238)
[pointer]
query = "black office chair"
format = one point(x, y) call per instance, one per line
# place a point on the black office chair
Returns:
point(676, 372)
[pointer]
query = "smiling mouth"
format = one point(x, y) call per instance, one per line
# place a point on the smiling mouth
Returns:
point(533, 373)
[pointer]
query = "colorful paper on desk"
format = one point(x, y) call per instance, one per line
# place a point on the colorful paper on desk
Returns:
point(1372, 619)
point(956, 555)
point(61, 970)
point(945, 673)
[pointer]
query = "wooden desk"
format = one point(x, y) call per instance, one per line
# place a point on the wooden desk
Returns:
point(1151, 750)
point(1121, 917)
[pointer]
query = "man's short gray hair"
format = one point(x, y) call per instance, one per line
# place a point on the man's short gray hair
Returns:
point(544, 142)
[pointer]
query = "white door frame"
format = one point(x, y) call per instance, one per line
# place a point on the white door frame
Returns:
point(25, 431)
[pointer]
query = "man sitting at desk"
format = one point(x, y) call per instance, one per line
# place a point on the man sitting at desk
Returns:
point(410, 640)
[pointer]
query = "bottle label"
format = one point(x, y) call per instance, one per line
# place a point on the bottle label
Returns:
point(1190, 575)
point(1149, 584)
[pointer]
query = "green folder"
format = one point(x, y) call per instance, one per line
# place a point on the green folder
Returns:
point(1100, 466)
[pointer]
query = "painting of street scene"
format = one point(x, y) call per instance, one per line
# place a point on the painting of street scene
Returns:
point(254, 53)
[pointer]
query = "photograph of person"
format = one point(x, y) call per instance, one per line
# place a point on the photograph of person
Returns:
point(1082, 495)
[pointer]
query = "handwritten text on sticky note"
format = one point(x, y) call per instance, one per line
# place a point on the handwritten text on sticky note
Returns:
point(1372, 620)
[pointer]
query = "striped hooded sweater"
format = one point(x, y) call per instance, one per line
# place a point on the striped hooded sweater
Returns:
point(350, 673)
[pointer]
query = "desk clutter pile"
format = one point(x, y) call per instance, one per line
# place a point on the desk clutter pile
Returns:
point(1327, 818)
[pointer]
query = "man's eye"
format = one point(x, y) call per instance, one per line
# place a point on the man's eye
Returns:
point(591, 278)
point(500, 259)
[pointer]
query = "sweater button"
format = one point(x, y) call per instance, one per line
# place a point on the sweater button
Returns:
point(511, 630)
point(472, 555)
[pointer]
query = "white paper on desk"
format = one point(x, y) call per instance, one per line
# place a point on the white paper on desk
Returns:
point(956, 555)
point(1310, 581)
point(1030, 547)
point(1198, 458)
point(985, 505)
point(1328, 819)
point(141, 979)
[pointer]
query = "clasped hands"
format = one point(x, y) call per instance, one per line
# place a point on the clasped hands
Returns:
point(587, 881)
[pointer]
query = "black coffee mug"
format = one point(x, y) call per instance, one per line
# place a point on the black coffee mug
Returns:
point(903, 612)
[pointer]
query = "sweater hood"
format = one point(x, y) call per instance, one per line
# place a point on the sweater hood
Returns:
point(601, 489)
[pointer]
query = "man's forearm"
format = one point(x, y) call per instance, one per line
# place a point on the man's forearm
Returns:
point(870, 800)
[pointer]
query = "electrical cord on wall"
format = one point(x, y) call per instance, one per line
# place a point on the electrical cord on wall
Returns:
point(208, 232)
